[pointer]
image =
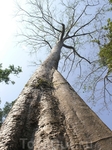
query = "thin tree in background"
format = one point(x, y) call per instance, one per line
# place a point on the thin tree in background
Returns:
point(48, 113)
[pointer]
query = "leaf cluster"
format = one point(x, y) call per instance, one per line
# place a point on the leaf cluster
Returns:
point(5, 73)
point(106, 50)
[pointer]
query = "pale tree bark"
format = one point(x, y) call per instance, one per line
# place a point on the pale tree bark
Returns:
point(49, 114)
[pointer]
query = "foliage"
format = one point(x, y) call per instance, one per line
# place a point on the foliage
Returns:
point(99, 79)
point(4, 77)
point(43, 83)
point(6, 109)
point(5, 73)
point(106, 50)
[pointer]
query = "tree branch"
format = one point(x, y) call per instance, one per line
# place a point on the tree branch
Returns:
point(63, 32)
point(70, 47)
point(74, 35)
point(46, 19)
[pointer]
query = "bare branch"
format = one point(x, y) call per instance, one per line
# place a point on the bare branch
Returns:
point(73, 60)
point(46, 19)
point(63, 32)
point(74, 23)
point(87, 77)
point(75, 52)
point(84, 25)
point(66, 58)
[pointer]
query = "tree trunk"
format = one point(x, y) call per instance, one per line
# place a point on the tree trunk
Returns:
point(49, 114)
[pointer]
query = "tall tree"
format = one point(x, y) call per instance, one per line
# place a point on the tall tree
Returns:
point(49, 114)
point(83, 21)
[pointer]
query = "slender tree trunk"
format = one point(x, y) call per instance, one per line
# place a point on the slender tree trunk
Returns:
point(49, 114)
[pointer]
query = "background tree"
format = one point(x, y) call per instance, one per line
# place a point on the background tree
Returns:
point(5, 77)
point(5, 73)
point(105, 46)
point(101, 74)
point(5, 110)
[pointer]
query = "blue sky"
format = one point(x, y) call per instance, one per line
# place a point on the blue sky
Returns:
point(10, 53)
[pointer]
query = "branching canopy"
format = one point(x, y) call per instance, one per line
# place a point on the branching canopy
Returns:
point(43, 23)
point(75, 22)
